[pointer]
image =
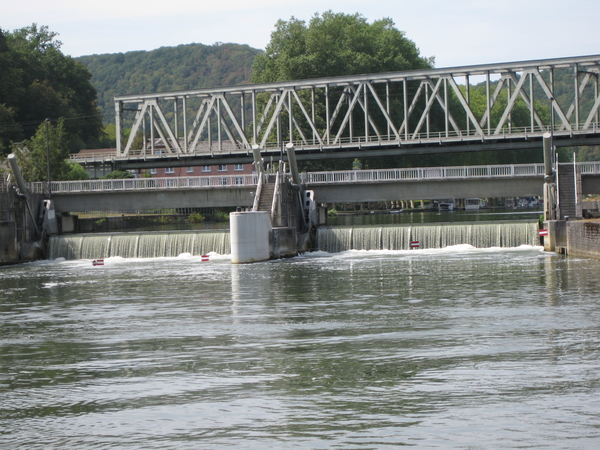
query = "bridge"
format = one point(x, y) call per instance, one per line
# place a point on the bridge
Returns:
point(140, 194)
point(503, 106)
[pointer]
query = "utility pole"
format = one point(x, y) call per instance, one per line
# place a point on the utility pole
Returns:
point(48, 156)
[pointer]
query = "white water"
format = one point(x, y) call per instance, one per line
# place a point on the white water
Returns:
point(480, 235)
point(138, 245)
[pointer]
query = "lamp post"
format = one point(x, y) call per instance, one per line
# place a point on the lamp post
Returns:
point(48, 156)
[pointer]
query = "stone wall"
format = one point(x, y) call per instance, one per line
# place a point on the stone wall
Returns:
point(584, 238)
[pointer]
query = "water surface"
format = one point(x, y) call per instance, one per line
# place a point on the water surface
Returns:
point(442, 348)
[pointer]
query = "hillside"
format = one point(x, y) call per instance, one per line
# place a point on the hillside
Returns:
point(191, 66)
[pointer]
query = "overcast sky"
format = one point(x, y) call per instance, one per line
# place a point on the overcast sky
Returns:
point(455, 32)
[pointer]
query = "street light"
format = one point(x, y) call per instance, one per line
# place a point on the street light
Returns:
point(48, 157)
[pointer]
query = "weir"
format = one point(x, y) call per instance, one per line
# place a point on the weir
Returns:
point(480, 235)
point(329, 239)
point(155, 244)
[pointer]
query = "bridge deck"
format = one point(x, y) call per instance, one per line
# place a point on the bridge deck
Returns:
point(338, 186)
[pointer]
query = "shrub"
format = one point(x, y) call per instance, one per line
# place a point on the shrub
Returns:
point(195, 218)
point(221, 216)
point(117, 174)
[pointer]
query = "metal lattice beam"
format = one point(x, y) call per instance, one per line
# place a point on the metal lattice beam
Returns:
point(412, 109)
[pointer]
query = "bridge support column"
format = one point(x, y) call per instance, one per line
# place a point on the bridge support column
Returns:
point(250, 234)
point(258, 162)
point(549, 179)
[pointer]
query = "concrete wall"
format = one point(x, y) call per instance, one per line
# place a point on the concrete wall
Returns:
point(428, 190)
point(583, 238)
point(145, 200)
point(284, 242)
point(8, 243)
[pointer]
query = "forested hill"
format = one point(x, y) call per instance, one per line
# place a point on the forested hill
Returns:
point(191, 66)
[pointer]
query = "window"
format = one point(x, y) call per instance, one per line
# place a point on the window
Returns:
point(238, 167)
point(152, 171)
point(170, 170)
point(239, 180)
point(190, 170)
point(171, 182)
point(205, 168)
point(222, 168)
point(223, 181)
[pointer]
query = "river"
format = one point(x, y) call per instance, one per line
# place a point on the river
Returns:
point(458, 348)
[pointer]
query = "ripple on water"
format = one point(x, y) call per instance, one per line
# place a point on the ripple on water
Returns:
point(448, 349)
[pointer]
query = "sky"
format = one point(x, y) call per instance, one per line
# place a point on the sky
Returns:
point(455, 32)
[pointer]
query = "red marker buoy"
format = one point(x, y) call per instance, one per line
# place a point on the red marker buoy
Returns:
point(98, 262)
point(205, 258)
point(415, 244)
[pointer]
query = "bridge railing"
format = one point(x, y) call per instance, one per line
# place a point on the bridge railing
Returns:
point(310, 178)
point(143, 184)
point(590, 167)
point(205, 148)
point(420, 174)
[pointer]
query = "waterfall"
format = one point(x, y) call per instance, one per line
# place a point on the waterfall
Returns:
point(477, 234)
point(138, 245)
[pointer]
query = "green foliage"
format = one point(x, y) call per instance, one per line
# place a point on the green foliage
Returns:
point(32, 155)
point(76, 172)
point(221, 216)
point(117, 175)
point(37, 82)
point(195, 218)
point(192, 66)
point(565, 154)
point(335, 44)
point(332, 212)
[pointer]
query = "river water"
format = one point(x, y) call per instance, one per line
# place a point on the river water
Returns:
point(435, 348)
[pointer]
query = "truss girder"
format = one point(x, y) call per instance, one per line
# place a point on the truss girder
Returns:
point(362, 111)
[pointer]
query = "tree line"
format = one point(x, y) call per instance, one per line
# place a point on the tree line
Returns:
point(185, 67)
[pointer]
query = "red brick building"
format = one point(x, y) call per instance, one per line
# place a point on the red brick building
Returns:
point(98, 162)
point(193, 171)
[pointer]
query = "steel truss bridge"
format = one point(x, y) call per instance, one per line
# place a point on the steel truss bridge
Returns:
point(502, 106)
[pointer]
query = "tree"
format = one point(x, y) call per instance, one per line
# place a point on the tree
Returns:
point(335, 44)
point(37, 81)
point(32, 155)
point(189, 66)
point(76, 172)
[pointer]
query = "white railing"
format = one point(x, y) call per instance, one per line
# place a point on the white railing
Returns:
point(420, 174)
point(591, 167)
point(146, 184)
point(311, 178)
